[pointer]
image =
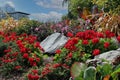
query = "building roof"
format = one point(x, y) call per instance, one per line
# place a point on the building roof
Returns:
point(18, 12)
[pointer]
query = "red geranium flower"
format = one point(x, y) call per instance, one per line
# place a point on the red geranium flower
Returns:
point(80, 35)
point(100, 35)
point(96, 52)
point(118, 38)
point(69, 34)
point(37, 44)
point(106, 44)
point(31, 59)
point(109, 34)
point(85, 42)
point(23, 50)
point(30, 76)
point(95, 40)
point(25, 55)
point(75, 40)
point(58, 51)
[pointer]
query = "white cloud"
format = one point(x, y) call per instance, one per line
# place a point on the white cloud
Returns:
point(55, 4)
point(4, 2)
point(10, 3)
point(44, 17)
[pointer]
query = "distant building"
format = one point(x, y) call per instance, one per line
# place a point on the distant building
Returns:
point(8, 10)
point(18, 15)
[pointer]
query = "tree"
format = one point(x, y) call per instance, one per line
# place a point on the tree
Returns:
point(108, 5)
point(73, 6)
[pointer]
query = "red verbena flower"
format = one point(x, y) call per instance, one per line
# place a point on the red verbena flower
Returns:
point(35, 71)
point(34, 64)
point(69, 55)
point(18, 67)
point(37, 59)
point(15, 54)
point(35, 77)
point(7, 50)
point(66, 66)
point(56, 65)
point(29, 76)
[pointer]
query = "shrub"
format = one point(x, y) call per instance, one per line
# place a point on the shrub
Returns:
point(80, 47)
point(26, 26)
point(7, 25)
point(21, 52)
point(41, 31)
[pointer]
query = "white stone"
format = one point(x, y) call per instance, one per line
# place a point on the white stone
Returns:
point(109, 56)
point(53, 42)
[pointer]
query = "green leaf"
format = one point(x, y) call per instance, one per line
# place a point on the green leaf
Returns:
point(76, 69)
point(90, 73)
point(115, 73)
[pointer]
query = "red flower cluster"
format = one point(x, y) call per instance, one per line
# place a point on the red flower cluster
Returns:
point(66, 66)
point(33, 61)
point(18, 67)
point(34, 75)
point(56, 65)
point(69, 55)
point(46, 70)
point(109, 34)
point(69, 34)
point(85, 42)
point(9, 37)
point(118, 38)
point(58, 51)
point(106, 44)
point(88, 34)
point(25, 55)
point(100, 35)
point(70, 45)
point(96, 52)
point(24, 45)
point(95, 40)
point(37, 45)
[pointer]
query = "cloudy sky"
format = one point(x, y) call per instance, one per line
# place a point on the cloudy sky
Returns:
point(42, 10)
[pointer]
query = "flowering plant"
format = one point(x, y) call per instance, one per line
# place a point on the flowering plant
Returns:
point(84, 45)
point(80, 47)
point(9, 24)
point(21, 52)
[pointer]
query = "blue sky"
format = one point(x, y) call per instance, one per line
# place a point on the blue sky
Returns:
point(42, 10)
